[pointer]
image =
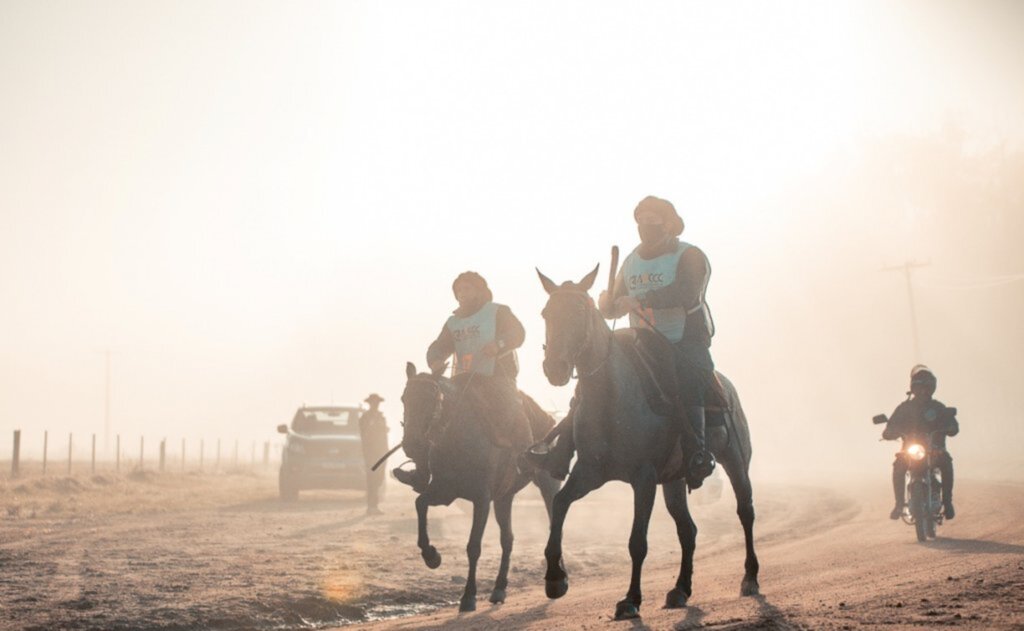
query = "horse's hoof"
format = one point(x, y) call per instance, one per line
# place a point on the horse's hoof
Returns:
point(676, 599)
point(750, 588)
point(468, 603)
point(626, 610)
point(431, 557)
point(556, 588)
point(498, 596)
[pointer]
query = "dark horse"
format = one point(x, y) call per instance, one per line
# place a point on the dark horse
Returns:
point(619, 437)
point(442, 422)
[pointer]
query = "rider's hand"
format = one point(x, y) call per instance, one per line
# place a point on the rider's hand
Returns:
point(490, 349)
point(625, 304)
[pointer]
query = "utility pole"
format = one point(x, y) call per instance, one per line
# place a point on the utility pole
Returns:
point(106, 409)
point(908, 269)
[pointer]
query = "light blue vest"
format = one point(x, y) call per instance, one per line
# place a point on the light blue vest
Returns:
point(641, 276)
point(471, 334)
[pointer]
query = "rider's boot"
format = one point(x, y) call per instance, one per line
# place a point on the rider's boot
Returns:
point(554, 453)
point(899, 491)
point(418, 477)
point(702, 462)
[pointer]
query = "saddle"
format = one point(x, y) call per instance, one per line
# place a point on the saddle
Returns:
point(653, 358)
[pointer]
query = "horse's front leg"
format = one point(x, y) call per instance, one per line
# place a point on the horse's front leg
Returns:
point(481, 509)
point(429, 553)
point(503, 515)
point(686, 530)
point(583, 479)
point(645, 486)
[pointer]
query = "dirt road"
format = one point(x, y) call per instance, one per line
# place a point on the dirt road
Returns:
point(219, 551)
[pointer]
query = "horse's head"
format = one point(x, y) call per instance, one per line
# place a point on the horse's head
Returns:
point(568, 317)
point(421, 401)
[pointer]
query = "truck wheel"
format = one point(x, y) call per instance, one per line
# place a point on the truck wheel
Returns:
point(286, 487)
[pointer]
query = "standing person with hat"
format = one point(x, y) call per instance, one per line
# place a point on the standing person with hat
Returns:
point(662, 285)
point(482, 335)
point(921, 418)
point(373, 430)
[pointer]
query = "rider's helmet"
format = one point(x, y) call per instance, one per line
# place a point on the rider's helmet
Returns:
point(921, 375)
point(664, 209)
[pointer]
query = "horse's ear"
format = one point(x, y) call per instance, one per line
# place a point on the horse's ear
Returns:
point(410, 370)
point(588, 280)
point(549, 285)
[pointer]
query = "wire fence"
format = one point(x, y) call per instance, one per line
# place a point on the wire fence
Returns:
point(74, 454)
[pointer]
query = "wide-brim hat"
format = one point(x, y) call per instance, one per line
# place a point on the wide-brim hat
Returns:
point(374, 398)
point(663, 208)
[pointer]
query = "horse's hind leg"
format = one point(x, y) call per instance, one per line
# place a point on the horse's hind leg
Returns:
point(740, 480)
point(675, 501)
point(429, 553)
point(583, 479)
point(503, 515)
point(481, 509)
point(645, 487)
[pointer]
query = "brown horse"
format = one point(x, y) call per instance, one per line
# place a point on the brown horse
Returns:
point(619, 437)
point(442, 422)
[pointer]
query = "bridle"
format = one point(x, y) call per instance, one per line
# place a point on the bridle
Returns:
point(588, 330)
point(435, 413)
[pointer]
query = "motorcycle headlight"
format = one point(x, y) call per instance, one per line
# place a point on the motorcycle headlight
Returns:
point(916, 452)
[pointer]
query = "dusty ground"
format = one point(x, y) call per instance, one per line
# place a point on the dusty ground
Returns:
point(179, 551)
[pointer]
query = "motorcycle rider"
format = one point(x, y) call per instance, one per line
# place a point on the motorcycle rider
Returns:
point(916, 419)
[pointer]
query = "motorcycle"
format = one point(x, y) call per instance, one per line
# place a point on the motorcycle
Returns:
point(923, 508)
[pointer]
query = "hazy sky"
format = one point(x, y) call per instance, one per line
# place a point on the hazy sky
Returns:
point(258, 204)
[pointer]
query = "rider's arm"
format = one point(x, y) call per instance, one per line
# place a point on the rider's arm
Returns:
point(894, 428)
point(510, 333)
point(441, 348)
point(952, 425)
point(685, 291)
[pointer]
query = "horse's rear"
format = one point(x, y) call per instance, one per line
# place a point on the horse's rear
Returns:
point(731, 445)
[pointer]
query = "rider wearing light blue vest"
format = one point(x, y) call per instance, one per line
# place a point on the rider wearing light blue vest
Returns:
point(661, 285)
point(482, 335)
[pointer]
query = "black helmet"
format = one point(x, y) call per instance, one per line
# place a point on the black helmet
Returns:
point(922, 375)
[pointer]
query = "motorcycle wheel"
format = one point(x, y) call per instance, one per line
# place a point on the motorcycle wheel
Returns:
point(930, 528)
point(920, 515)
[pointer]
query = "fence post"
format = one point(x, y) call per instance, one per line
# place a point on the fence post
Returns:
point(142, 450)
point(16, 457)
point(46, 444)
point(266, 454)
point(69, 454)
point(117, 455)
point(183, 455)
point(94, 454)
point(163, 454)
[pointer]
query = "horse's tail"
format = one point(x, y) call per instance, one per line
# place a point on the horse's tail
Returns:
point(736, 420)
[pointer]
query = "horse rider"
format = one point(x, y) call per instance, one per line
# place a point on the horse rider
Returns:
point(483, 336)
point(916, 419)
point(373, 434)
point(662, 284)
